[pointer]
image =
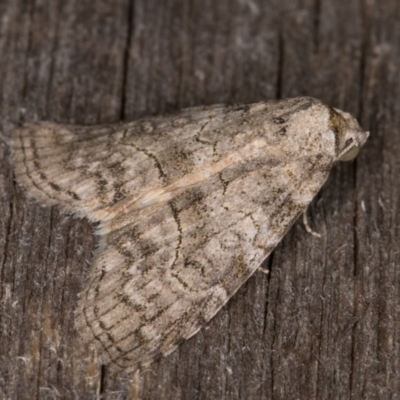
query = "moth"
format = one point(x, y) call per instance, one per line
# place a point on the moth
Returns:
point(188, 206)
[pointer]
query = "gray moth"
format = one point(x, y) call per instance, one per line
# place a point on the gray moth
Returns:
point(188, 206)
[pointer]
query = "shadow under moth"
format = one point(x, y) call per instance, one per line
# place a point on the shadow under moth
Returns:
point(188, 206)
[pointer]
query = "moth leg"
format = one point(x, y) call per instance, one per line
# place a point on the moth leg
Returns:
point(308, 227)
point(263, 270)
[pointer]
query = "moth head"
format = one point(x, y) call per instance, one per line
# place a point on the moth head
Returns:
point(349, 136)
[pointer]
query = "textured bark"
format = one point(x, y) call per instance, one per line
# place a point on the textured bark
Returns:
point(324, 323)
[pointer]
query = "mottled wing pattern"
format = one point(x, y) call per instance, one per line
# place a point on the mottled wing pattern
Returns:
point(83, 168)
point(189, 206)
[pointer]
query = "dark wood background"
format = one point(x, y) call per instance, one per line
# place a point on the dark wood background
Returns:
point(325, 323)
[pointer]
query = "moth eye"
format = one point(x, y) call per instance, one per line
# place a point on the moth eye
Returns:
point(348, 143)
point(351, 154)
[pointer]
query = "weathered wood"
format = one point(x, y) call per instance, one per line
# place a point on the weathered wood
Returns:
point(325, 323)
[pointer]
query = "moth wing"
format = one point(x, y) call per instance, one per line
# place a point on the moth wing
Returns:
point(90, 168)
point(161, 278)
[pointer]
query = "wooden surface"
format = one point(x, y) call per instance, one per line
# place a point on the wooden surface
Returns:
point(325, 323)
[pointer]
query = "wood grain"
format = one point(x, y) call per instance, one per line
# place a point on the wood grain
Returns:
point(325, 323)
